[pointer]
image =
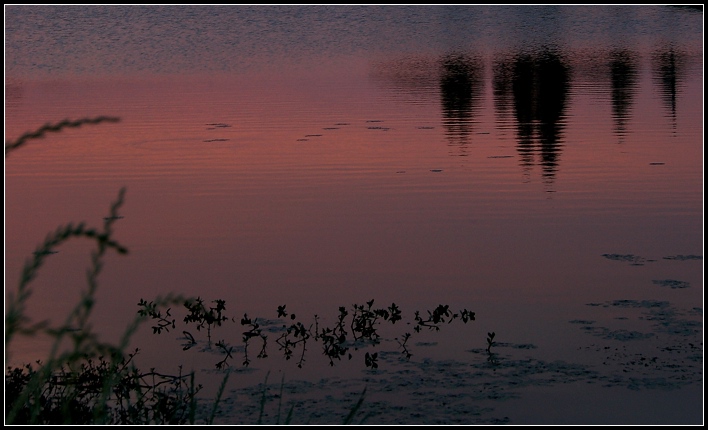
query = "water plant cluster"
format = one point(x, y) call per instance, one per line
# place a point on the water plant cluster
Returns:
point(354, 328)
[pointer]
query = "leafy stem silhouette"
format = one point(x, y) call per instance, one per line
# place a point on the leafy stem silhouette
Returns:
point(353, 328)
point(203, 317)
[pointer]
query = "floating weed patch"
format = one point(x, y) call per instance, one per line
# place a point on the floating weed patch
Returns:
point(636, 260)
point(466, 390)
point(671, 283)
point(667, 354)
point(427, 392)
point(584, 322)
point(238, 370)
point(426, 343)
point(663, 317)
point(683, 257)
point(621, 335)
point(646, 304)
point(633, 260)
point(518, 345)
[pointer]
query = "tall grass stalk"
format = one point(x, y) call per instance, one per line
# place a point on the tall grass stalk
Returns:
point(355, 408)
point(280, 399)
point(219, 393)
point(263, 398)
point(31, 401)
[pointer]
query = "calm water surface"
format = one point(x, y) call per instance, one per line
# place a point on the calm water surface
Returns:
point(540, 166)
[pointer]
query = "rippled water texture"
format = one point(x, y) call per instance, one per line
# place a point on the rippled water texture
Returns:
point(538, 165)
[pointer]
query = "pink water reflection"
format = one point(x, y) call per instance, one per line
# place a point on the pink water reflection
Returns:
point(321, 191)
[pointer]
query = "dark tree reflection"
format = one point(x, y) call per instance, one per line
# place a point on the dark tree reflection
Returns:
point(623, 76)
point(502, 79)
point(667, 67)
point(461, 90)
point(537, 86)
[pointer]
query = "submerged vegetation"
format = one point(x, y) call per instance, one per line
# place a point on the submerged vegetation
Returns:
point(94, 382)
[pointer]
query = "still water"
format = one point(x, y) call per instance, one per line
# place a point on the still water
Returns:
point(538, 165)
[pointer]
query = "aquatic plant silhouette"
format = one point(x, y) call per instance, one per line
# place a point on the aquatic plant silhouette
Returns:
point(198, 313)
point(351, 331)
point(151, 309)
point(490, 341)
